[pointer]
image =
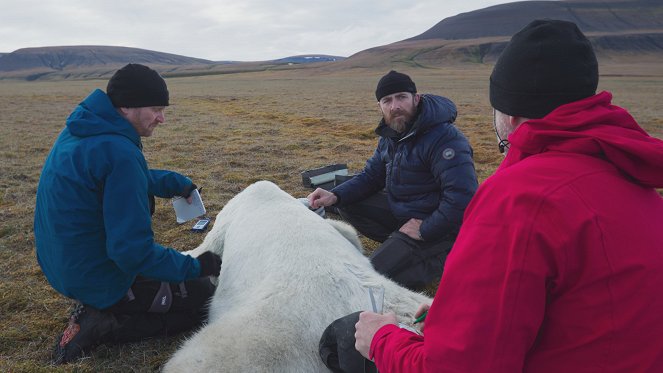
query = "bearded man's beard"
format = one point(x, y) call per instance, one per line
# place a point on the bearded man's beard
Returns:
point(400, 120)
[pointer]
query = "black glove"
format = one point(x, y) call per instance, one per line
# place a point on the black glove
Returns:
point(188, 190)
point(210, 264)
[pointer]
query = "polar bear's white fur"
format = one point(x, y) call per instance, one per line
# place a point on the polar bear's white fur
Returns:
point(286, 275)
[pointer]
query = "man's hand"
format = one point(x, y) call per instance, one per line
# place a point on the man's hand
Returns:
point(368, 324)
point(186, 193)
point(411, 228)
point(210, 264)
point(420, 311)
point(321, 197)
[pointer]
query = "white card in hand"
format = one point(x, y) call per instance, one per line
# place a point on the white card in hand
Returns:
point(185, 211)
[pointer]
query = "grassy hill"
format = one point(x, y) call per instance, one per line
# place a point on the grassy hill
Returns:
point(622, 32)
point(641, 51)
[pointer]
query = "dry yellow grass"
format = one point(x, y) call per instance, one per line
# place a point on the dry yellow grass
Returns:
point(224, 131)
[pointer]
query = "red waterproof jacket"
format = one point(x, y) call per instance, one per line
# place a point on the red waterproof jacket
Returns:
point(559, 263)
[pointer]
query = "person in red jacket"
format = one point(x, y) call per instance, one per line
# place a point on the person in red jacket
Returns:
point(558, 266)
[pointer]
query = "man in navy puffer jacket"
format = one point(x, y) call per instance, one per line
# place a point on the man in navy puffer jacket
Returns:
point(412, 194)
point(93, 229)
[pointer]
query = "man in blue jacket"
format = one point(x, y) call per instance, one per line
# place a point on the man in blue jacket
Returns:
point(414, 189)
point(92, 224)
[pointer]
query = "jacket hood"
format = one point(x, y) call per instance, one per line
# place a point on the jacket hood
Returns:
point(432, 110)
point(96, 115)
point(595, 127)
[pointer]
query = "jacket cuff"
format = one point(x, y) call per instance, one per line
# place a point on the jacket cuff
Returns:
point(431, 234)
point(382, 332)
point(196, 267)
point(339, 198)
point(186, 193)
point(423, 232)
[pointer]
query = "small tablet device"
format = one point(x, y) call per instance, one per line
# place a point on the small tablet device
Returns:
point(320, 210)
point(200, 225)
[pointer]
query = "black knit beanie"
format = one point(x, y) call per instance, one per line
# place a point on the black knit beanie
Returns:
point(137, 85)
point(394, 82)
point(545, 65)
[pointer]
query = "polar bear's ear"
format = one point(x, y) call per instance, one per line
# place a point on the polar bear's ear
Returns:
point(347, 231)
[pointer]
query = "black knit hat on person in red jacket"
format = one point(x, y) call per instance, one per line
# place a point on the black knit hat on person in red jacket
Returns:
point(547, 64)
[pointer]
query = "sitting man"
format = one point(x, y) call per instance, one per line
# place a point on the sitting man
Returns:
point(93, 224)
point(558, 266)
point(414, 189)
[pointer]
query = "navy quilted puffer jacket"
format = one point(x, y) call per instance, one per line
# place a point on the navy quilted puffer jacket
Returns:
point(428, 173)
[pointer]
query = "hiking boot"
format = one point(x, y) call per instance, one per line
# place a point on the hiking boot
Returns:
point(87, 328)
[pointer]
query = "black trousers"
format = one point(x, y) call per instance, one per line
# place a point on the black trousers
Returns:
point(337, 347)
point(138, 319)
point(412, 263)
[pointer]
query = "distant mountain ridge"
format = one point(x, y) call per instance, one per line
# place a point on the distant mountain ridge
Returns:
point(61, 58)
point(590, 16)
point(92, 61)
point(81, 56)
point(308, 59)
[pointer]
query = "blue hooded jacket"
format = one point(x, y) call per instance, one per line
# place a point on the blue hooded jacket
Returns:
point(92, 219)
point(428, 173)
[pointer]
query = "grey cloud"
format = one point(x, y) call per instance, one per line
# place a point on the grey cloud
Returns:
point(224, 30)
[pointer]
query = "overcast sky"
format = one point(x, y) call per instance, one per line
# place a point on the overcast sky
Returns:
point(219, 30)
